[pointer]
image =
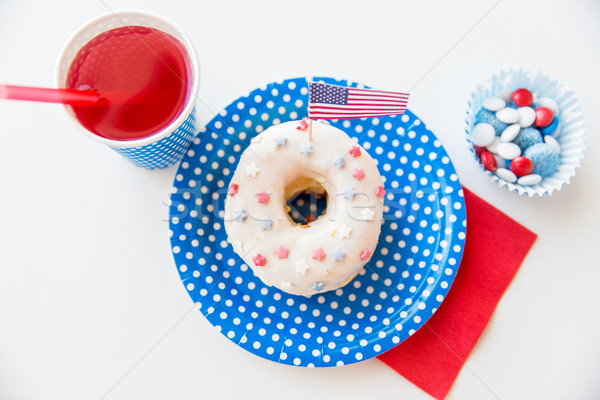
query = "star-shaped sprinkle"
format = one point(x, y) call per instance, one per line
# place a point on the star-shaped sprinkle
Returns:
point(239, 244)
point(344, 231)
point(302, 125)
point(263, 197)
point(265, 224)
point(286, 285)
point(358, 173)
point(339, 162)
point(252, 171)
point(301, 267)
point(280, 141)
point(282, 252)
point(366, 253)
point(354, 151)
point(367, 214)
point(240, 215)
point(380, 192)
point(317, 286)
point(259, 260)
point(233, 189)
point(318, 254)
point(338, 255)
point(306, 149)
point(349, 193)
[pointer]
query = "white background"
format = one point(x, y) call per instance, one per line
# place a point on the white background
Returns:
point(91, 306)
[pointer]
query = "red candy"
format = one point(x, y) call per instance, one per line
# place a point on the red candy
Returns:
point(355, 151)
point(478, 150)
point(259, 260)
point(522, 98)
point(302, 125)
point(488, 161)
point(521, 166)
point(543, 117)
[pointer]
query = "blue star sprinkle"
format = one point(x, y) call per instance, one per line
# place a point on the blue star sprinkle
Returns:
point(239, 215)
point(349, 193)
point(318, 286)
point(306, 149)
point(338, 255)
point(280, 141)
point(339, 162)
point(265, 224)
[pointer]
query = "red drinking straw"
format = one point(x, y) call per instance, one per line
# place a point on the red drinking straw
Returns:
point(71, 97)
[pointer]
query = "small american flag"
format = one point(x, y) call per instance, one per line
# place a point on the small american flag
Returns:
point(333, 102)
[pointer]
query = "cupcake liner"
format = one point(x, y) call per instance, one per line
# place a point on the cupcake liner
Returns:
point(571, 137)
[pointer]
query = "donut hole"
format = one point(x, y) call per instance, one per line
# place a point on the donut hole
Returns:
point(306, 201)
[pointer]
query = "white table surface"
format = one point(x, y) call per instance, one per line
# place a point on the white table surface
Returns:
point(91, 305)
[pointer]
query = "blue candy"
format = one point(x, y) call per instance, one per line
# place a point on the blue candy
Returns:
point(527, 138)
point(489, 117)
point(508, 164)
point(545, 159)
point(549, 129)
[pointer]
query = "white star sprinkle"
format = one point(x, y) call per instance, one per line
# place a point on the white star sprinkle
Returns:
point(306, 149)
point(301, 267)
point(367, 214)
point(344, 231)
point(286, 285)
point(252, 171)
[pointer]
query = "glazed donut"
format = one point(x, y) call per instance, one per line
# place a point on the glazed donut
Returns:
point(282, 162)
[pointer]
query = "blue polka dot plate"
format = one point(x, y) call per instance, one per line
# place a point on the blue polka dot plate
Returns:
point(416, 260)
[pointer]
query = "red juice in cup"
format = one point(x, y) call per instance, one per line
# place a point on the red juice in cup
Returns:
point(143, 75)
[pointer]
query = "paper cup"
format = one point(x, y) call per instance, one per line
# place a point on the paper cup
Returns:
point(571, 138)
point(166, 146)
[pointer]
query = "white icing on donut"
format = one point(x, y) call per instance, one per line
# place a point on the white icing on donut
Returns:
point(327, 253)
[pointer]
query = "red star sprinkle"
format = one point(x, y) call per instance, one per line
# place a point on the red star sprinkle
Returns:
point(310, 218)
point(355, 151)
point(380, 192)
point(259, 260)
point(358, 173)
point(364, 256)
point(233, 189)
point(302, 125)
point(318, 254)
point(263, 197)
point(282, 252)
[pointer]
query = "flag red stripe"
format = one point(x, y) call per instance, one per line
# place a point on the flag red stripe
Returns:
point(357, 114)
point(351, 109)
point(376, 98)
point(374, 95)
point(376, 91)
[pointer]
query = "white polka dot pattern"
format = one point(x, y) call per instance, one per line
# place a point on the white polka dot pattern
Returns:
point(419, 251)
point(166, 151)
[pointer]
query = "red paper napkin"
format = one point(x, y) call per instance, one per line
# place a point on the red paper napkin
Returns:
point(494, 249)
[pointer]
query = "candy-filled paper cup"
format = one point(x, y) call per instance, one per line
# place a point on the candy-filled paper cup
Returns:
point(572, 130)
point(161, 143)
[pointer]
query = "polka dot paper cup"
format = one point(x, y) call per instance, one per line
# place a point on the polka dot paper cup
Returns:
point(572, 130)
point(168, 145)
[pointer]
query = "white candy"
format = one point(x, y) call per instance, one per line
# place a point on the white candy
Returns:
point(557, 131)
point(482, 135)
point(550, 141)
point(508, 115)
point(531, 179)
point(550, 104)
point(493, 148)
point(499, 160)
point(506, 174)
point(494, 104)
point(508, 150)
point(510, 132)
point(527, 116)
point(506, 95)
